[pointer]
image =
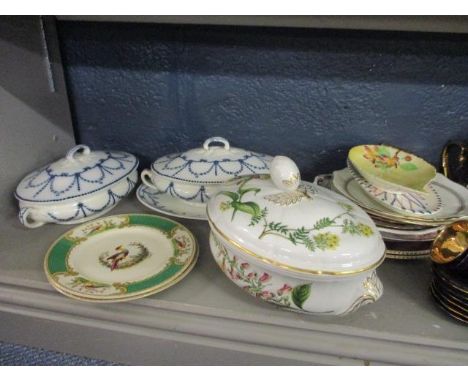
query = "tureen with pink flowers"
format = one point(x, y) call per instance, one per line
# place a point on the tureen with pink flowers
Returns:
point(294, 243)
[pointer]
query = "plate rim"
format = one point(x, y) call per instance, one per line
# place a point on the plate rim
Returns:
point(390, 215)
point(176, 280)
point(364, 184)
point(169, 213)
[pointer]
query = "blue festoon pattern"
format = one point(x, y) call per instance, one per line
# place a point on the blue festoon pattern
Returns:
point(76, 188)
point(181, 167)
point(199, 196)
point(76, 175)
point(80, 211)
point(84, 210)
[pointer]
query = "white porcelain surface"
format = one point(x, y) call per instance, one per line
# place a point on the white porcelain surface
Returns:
point(399, 232)
point(83, 185)
point(193, 175)
point(168, 205)
point(308, 294)
point(406, 203)
point(306, 230)
point(80, 210)
point(82, 172)
point(454, 198)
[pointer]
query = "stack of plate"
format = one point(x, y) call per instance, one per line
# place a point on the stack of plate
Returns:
point(450, 292)
point(120, 258)
point(449, 256)
point(410, 208)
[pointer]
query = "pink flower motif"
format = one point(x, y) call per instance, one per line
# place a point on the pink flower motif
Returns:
point(284, 289)
point(264, 277)
point(245, 265)
point(251, 275)
point(266, 295)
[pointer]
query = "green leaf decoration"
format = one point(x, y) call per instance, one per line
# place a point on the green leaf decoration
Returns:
point(408, 166)
point(250, 208)
point(350, 227)
point(256, 219)
point(300, 294)
point(278, 227)
point(243, 191)
point(234, 196)
point(323, 223)
point(383, 151)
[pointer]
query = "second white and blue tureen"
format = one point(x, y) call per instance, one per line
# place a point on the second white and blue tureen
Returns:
point(193, 176)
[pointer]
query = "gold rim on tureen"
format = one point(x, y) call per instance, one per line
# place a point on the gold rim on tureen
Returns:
point(289, 267)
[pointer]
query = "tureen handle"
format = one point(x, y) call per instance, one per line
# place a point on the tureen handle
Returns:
point(284, 173)
point(209, 141)
point(27, 220)
point(147, 179)
point(75, 150)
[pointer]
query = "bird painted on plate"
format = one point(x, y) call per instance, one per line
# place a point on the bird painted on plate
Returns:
point(121, 254)
point(181, 244)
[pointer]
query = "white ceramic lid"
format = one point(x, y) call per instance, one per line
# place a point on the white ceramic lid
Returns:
point(81, 172)
point(211, 164)
point(294, 225)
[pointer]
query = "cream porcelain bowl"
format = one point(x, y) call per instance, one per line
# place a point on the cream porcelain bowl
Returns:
point(295, 244)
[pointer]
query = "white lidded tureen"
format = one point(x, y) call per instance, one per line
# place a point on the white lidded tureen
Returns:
point(83, 185)
point(295, 244)
point(193, 176)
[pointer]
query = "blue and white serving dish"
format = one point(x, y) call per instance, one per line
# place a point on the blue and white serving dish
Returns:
point(193, 176)
point(80, 187)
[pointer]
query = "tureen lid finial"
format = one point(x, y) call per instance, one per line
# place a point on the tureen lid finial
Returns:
point(78, 149)
point(284, 173)
point(209, 141)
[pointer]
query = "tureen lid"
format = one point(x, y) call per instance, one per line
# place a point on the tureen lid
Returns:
point(294, 225)
point(80, 173)
point(211, 163)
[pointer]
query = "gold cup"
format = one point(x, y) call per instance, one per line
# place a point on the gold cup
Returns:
point(451, 246)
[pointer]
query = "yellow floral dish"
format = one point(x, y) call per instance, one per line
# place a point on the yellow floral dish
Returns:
point(391, 168)
point(295, 244)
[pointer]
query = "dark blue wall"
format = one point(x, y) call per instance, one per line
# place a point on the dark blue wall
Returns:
point(310, 94)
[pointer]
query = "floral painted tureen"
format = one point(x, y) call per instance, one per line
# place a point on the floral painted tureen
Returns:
point(83, 185)
point(193, 176)
point(295, 244)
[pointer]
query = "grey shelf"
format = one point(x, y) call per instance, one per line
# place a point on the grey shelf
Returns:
point(207, 319)
point(444, 24)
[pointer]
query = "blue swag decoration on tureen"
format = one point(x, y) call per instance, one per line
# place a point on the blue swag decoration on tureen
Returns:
point(193, 176)
point(76, 188)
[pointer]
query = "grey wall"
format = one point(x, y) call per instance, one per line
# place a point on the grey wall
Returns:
point(35, 122)
point(310, 94)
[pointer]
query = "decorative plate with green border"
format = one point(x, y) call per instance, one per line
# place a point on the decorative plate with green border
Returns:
point(120, 257)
